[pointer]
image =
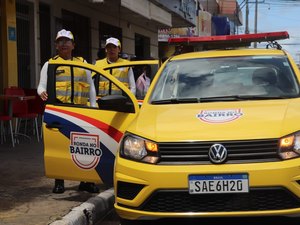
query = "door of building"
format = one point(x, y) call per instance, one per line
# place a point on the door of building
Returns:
point(142, 46)
point(24, 43)
point(80, 27)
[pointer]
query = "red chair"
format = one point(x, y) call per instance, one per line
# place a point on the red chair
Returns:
point(21, 111)
point(36, 105)
point(3, 119)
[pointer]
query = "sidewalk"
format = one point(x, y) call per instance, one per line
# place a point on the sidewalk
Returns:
point(26, 194)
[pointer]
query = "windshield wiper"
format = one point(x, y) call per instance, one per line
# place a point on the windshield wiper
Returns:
point(240, 98)
point(217, 98)
point(175, 101)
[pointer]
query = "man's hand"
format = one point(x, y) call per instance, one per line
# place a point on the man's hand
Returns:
point(44, 96)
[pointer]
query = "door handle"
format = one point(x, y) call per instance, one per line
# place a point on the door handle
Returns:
point(54, 125)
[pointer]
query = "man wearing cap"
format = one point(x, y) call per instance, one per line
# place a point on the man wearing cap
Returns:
point(125, 75)
point(64, 44)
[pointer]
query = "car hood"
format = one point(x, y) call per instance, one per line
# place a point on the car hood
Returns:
point(218, 121)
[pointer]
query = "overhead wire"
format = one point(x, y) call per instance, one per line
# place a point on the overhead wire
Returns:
point(275, 8)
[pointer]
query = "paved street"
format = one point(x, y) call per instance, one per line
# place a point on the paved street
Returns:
point(26, 194)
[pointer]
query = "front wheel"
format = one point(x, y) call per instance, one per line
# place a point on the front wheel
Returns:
point(130, 222)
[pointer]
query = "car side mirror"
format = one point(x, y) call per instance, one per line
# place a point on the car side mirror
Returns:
point(117, 103)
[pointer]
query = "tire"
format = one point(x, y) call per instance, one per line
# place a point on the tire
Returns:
point(129, 222)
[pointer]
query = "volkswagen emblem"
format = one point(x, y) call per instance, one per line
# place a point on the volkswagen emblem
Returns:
point(217, 153)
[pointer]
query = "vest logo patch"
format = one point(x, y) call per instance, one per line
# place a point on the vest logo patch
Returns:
point(85, 150)
point(59, 71)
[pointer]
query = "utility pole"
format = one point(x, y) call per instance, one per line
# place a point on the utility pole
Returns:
point(255, 20)
point(247, 18)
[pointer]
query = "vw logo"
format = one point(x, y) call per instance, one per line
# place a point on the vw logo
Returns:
point(217, 153)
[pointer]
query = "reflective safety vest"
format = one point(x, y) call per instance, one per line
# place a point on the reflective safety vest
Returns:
point(120, 73)
point(81, 87)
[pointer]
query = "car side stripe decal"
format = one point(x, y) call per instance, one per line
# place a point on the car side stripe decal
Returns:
point(114, 133)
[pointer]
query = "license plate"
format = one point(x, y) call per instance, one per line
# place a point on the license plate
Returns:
point(219, 183)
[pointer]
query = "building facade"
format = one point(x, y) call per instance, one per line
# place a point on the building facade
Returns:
point(28, 30)
point(213, 17)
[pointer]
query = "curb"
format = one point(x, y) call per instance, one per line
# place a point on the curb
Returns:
point(89, 212)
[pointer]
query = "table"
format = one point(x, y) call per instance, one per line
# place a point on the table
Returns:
point(10, 99)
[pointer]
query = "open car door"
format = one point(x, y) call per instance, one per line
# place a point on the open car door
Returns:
point(80, 142)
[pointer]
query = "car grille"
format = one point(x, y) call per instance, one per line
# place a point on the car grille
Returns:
point(256, 200)
point(245, 151)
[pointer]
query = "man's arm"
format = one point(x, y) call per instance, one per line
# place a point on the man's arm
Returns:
point(42, 87)
point(131, 81)
point(92, 89)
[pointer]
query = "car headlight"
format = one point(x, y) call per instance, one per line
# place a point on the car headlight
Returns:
point(289, 146)
point(139, 149)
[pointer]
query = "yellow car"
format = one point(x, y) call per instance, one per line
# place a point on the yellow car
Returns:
point(218, 134)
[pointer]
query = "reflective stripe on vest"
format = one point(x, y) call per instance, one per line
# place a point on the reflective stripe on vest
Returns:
point(120, 73)
point(64, 85)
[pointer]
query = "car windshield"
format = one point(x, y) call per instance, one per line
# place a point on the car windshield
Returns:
point(225, 79)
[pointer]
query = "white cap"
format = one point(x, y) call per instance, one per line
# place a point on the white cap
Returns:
point(64, 33)
point(113, 41)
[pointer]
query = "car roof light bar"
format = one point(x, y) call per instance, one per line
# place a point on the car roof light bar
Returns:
point(230, 40)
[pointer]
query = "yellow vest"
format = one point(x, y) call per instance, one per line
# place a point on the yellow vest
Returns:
point(64, 84)
point(120, 73)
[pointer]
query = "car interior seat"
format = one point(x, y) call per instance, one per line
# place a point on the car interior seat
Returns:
point(267, 78)
point(264, 77)
point(195, 86)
